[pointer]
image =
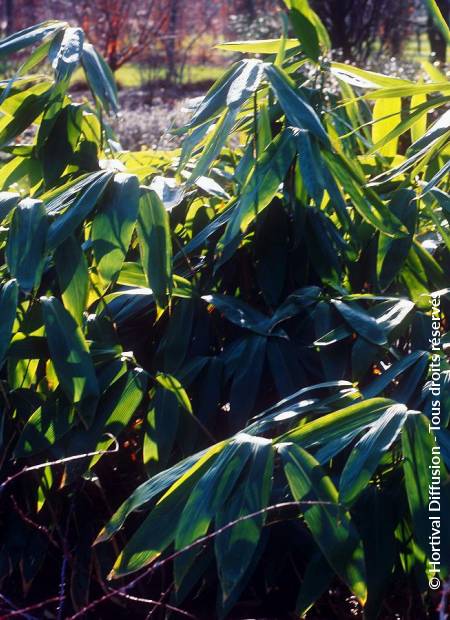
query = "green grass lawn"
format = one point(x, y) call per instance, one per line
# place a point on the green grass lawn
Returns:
point(411, 50)
point(133, 75)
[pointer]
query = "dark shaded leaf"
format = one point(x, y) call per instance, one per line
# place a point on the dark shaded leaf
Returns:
point(69, 352)
point(25, 251)
point(155, 246)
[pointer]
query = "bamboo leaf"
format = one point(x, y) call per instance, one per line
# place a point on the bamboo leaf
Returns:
point(365, 456)
point(65, 56)
point(235, 547)
point(113, 225)
point(72, 269)
point(75, 213)
point(260, 46)
point(386, 117)
point(155, 246)
point(99, 77)
point(329, 524)
point(69, 352)
point(298, 111)
point(8, 309)
point(29, 36)
point(25, 251)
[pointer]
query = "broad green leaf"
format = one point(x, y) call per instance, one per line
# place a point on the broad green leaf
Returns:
point(213, 490)
point(214, 100)
point(246, 381)
point(72, 269)
point(306, 33)
point(408, 91)
point(439, 128)
point(311, 166)
point(8, 200)
point(25, 251)
point(69, 352)
point(303, 7)
point(365, 79)
point(149, 489)
point(8, 308)
point(365, 456)
point(419, 448)
point(386, 116)
point(388, 376)
point(316, 579)
point(44, 488)
point(231, 90)
point(328, 523)
point(155, 246)
point(391, 315)
point(171, 384)
point(57, 139)
point(158, 530)
point(168, 191)
point(342, 422)
point(116, 408)
point(438, 19)
point(416, 118)
point(432, 71)
point(162, 423)
point(64, 225)
point(366, 202)
point(420, 126)
point(294, 407)
point(215, 225)
point(45, 427)
point(245, 83)
point(99, 77)
point(257, 193)
point(298, 111)
point(29, 36)
point(215, 140)
point(392, 253)
point(59, 198)
point(441, 174)
point(236, 546)
point(113, 225)
point(67, 53)
point(238, 312)
point(21, 110)
point(260, 46)
point(376, 516)
point(360, 321)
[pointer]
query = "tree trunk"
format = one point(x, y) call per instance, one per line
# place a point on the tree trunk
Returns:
point(9, 17)
point(171, 41)
point(437, 40)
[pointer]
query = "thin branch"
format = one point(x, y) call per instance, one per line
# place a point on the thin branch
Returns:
point(37, 526)
point(67, 459)
point(64, 564)
point(23, 612)
point(11, 604)
point(200, 541)
point(149, 601)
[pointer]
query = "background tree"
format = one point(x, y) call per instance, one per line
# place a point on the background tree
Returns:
point(120, 28)
point(437, 40)
point(9, 16)
point(127, 30)
point(355, 26)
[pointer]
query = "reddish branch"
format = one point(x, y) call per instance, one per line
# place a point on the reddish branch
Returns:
point(200, 541)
